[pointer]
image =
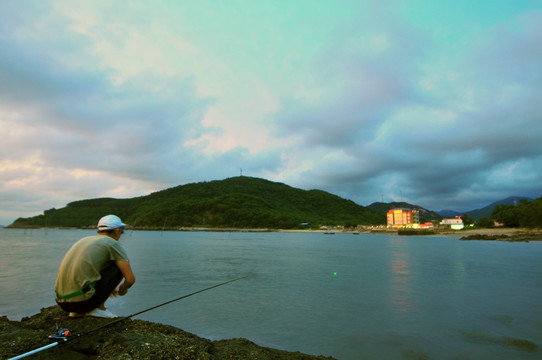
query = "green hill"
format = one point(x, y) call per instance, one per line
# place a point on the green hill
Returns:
point(239, 202)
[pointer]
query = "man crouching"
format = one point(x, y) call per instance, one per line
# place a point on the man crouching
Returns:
point(91, 271)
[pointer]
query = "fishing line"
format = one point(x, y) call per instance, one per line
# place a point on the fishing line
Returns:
point(65, 339)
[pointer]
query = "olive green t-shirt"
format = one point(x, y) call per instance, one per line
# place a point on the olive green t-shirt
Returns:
point(83, 263)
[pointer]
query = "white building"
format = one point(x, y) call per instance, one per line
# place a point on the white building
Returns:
point(454, 223)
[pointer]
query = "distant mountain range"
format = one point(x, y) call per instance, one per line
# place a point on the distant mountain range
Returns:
point(238, 202)
point(428, 215)
point(477, 214)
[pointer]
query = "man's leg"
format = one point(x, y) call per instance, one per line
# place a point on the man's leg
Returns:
point(111, 278)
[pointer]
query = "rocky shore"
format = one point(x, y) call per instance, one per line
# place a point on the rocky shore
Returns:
point(127, 339)
point(502, 234)
point(499, 234)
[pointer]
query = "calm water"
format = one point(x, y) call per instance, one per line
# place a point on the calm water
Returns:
point(349, 296)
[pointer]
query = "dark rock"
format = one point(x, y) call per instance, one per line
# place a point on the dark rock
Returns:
point(127, 339)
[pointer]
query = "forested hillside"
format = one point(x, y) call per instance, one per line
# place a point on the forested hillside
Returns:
point(488, 210)
point(239, 202)
point(525, 214)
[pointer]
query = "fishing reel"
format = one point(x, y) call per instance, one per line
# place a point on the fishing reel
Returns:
point(60, 335)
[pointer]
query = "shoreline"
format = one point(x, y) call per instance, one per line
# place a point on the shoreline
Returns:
point(497, 233)
point(501, 234)
point(127, 339)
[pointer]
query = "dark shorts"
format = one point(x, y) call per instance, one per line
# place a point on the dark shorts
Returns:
point(111, 277)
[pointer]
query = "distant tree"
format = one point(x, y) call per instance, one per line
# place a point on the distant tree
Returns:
point(467, 220)
point(485, 222)
point(532, 214)
point(349, 225)
point(508, 215)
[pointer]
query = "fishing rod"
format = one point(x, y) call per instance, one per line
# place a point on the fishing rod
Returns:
point(64, 334)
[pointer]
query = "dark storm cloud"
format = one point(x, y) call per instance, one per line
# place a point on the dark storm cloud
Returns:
point(486, 117)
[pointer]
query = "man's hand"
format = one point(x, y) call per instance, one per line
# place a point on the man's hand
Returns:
point(129, 278)
point(122, 290)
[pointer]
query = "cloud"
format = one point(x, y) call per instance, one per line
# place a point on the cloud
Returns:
point(369, 101)
point(446, 141)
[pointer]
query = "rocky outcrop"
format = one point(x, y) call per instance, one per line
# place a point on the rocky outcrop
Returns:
point(127, 339)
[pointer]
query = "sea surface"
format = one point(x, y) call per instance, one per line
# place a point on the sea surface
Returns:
point(366, 296)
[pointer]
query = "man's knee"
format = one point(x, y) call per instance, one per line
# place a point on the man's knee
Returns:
point(111, 274)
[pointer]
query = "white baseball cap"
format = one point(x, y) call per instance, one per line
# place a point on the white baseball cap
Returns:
point(110, 222)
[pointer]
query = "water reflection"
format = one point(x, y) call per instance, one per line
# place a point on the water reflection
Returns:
point(401, 294)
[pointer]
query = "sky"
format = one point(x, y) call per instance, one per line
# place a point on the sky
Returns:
point(436, 103)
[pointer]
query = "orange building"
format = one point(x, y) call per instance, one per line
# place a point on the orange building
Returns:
point(400, 218)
